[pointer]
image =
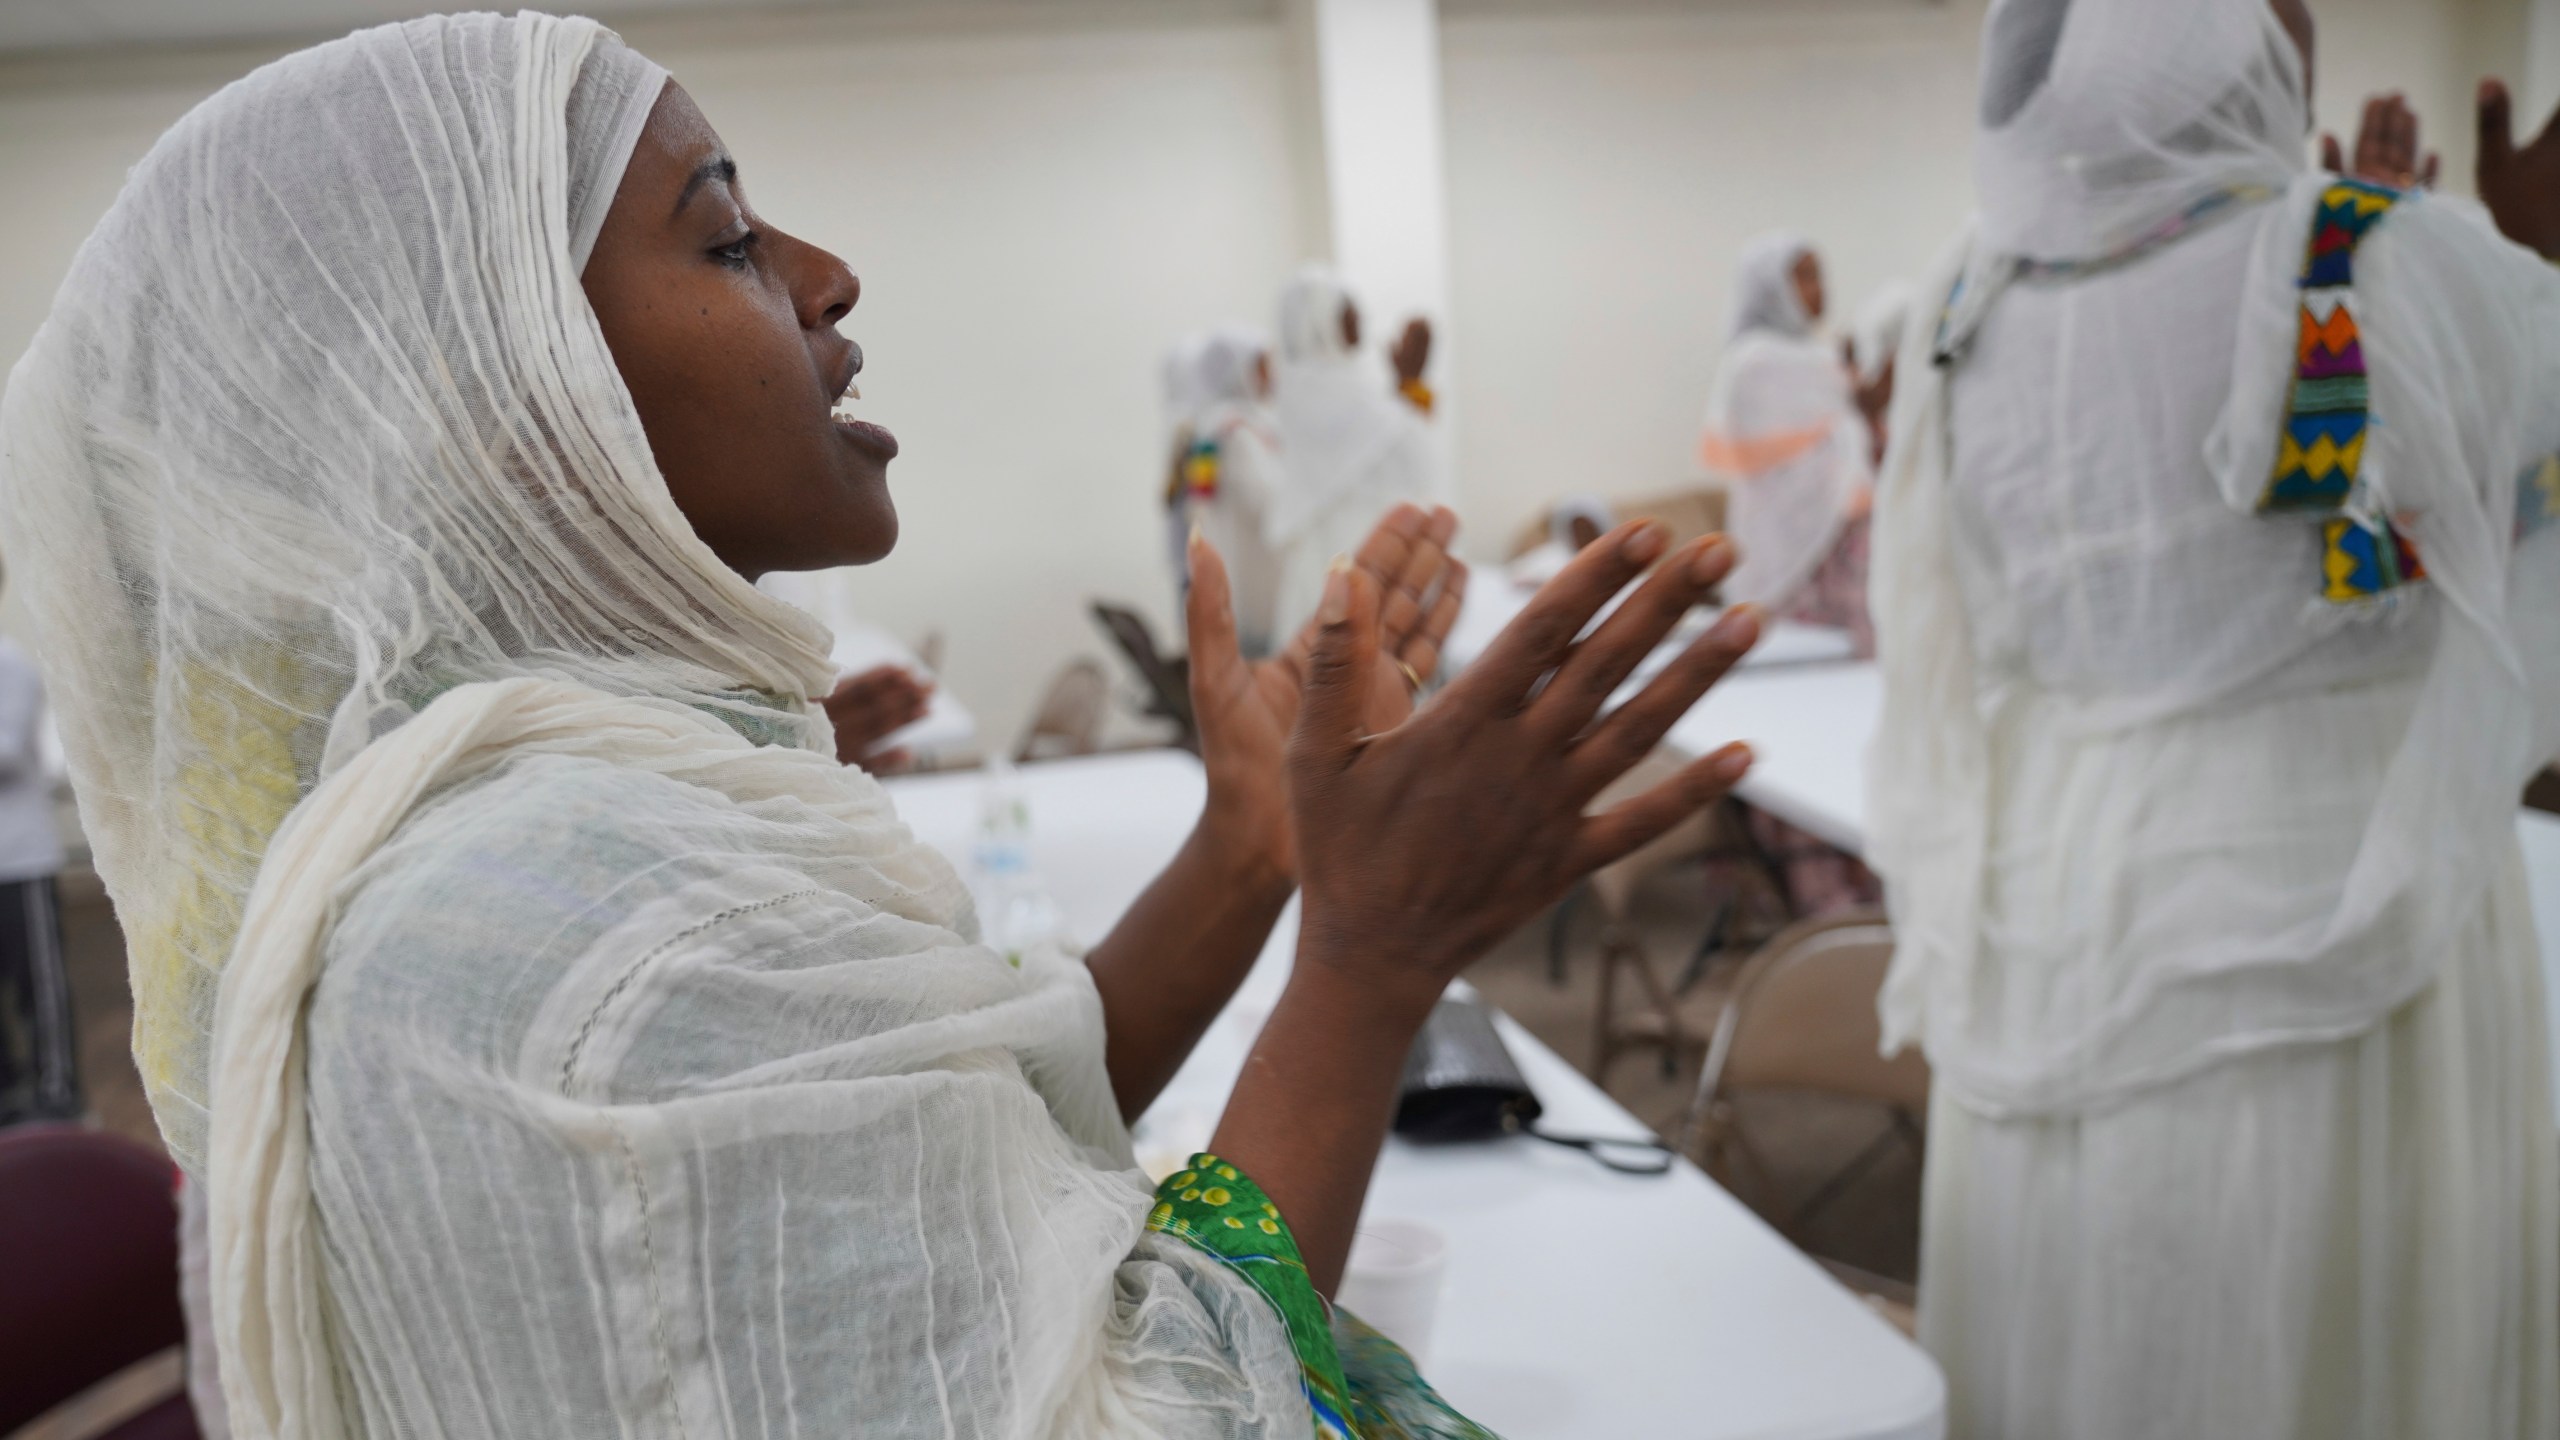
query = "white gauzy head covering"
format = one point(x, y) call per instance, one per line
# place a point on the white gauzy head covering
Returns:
point(1764, 286)
point(1224, 367)
point(1337, 422)
point(2102, 119)
point(320, 427)
point(1179, 378)
point(1877, 336)
point(1580, 507)
point(1311, 316)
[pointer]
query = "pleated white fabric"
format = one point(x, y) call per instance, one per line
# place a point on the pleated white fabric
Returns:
point(567, 1045)
point(2205, 888)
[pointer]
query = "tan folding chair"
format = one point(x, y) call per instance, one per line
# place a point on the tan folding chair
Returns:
point(1685, 513)
point(1802, 1018)
point(1069, 720)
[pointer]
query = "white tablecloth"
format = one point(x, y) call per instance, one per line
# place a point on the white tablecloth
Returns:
point(1808, 727)
point(1493, 601)
point(1579, 1303)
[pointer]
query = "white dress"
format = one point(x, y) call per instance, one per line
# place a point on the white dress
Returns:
point(1235, 519)
point(2184, 1181)
point(1784, 435)
point(1354, 452)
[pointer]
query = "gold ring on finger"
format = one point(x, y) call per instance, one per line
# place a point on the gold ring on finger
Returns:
point(1412, 678)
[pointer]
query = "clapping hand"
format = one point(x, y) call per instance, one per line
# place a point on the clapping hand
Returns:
point(2521, 186)
point(1423, 843)
point(1245, 711)
point(868, 708)
point(1411, 354)
point(2387, 150)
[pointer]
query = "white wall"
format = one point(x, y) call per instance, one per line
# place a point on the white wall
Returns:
point(1606, 168)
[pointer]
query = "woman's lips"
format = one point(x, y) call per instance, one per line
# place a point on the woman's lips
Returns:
point(871, 439)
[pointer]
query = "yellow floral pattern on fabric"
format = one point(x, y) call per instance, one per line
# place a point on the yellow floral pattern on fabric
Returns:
point(1217, 1209)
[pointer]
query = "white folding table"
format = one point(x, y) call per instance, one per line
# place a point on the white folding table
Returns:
point(1493, 602)
point(1579, 1302)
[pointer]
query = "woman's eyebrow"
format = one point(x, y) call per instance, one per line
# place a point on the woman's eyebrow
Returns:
point(718, 167)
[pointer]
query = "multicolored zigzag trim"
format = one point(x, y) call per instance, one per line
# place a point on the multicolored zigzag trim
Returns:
point(2328, 412)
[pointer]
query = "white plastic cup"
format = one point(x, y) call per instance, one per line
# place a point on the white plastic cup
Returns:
point(1393, 1281)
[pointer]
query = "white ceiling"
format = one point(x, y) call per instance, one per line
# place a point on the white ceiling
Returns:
point(61, 25)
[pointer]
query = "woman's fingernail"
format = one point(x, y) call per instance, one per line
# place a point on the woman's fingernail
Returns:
point(1707, 566)
point(1337, 593)
point(1731, 762)
point(1197, 539)
point(1645, 543)
point(1739, 627)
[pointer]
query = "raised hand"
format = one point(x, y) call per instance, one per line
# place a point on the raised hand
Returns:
point(1245, 710)
point(1411, 353)
point(2387, 150)
point(1425, 843)
point(2521, 187)
point(868, 708)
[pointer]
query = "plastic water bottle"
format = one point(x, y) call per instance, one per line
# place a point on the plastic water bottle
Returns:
point(1015, 912)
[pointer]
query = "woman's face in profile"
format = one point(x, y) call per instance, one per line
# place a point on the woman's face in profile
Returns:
point(1807, 278)
point(724, 329)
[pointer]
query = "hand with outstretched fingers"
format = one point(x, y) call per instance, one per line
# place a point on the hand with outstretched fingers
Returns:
point(2520, 185)
point(1423, 842)
point(1245, 709)
point(2387, 149)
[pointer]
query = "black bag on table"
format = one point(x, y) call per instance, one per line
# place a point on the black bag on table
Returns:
point(1461, 1084)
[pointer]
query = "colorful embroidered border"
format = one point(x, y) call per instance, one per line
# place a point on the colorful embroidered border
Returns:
point(1200, 468)
point(2538, 495)
point(2328, 411)
point(1217, 1210)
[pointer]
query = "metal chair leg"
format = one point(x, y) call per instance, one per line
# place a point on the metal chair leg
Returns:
point(1558, 928)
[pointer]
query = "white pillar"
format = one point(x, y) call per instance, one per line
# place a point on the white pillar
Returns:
point(1377, 82)
point(1378, 75)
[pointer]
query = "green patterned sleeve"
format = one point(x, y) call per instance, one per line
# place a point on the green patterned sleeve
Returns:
point(1217, 1209)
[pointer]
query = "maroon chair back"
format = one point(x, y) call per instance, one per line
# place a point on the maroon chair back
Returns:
point(89, 1246)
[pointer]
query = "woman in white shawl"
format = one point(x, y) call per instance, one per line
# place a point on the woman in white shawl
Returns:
point(1178, 377)
point(1232, 475)
point(567, 1043)
point(1785, 435)
point(2219, 639)
point(1353, 449)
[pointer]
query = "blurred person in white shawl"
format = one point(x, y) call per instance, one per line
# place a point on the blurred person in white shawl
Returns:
point(1572, 526)
point(565, 1042)
point(2220, 628)
point(1786, 436)
point(1178, 386)
point(1353, 449)
point(1232, 474)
